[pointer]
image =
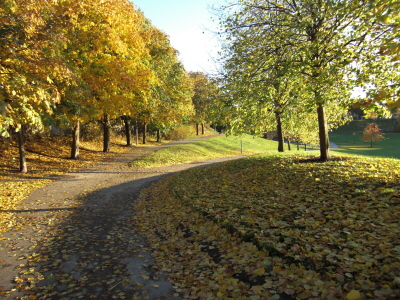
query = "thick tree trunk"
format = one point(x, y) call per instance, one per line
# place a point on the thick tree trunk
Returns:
point(288, 145)
point(202, 129)
point(127, 130)
point(22, 159)
point(279, 131)
point(106, 133)
point(144, 133)
point(197, 129)
point(323, 134)
point(158, 136)
point(75, 141)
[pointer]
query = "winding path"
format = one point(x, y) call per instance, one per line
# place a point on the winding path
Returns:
point(76, 240)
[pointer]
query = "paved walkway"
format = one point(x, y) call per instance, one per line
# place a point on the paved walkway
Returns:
point(76, 240)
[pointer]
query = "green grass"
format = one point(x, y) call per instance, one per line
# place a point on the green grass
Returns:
point(215, 147)
point(348, 138)
point(351, 145)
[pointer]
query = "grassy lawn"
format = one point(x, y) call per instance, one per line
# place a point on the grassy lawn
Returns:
point(352, 145)
point(215, 147)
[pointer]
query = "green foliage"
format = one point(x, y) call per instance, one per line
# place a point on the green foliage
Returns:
point(205, 93)
point(278, 51)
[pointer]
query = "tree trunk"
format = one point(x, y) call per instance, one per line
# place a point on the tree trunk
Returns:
point(323, 134)
point(279, 131)
point(298, 145)
point(158, 136)
point(197, 129)
point(202, 129)
point(305, 146)
point(144, 133)
point(75, 141)
point(22, 159)
point(106, 133)
point(288, 145)
point(137, 133)
point(127, 130)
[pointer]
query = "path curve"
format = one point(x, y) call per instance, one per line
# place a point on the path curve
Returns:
point(76, 241)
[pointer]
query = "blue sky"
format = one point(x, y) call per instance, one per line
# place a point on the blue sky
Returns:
point(188, 24)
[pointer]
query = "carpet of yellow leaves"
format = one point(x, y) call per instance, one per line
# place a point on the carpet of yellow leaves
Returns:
point(47, 158)
point(279, 228)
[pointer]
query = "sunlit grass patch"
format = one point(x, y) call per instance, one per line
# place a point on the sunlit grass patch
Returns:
point(216, 147)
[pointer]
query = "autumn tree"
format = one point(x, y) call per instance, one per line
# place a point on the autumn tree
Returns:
point(324, 38)
point(107, 48)
point(168, 101)
point(205, 92)
point(372, 133)
point(31, 67)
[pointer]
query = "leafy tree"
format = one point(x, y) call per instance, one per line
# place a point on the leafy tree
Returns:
point(372, 133)
point(107, 49)
point(205, 92)
point(30, 66)
point(324, 38)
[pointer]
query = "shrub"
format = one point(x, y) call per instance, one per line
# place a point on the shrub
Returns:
point(180, 133)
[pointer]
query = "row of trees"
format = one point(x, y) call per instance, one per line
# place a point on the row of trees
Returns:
point(67, 62)
point(295, 64)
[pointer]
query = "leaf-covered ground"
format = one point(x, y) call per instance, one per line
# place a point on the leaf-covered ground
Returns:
point(46, 159)
point(279, 228)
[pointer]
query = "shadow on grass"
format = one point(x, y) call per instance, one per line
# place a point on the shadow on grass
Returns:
point(353, 146)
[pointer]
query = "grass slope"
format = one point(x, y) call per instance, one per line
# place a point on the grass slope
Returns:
point(216, 147)
point(273, 227)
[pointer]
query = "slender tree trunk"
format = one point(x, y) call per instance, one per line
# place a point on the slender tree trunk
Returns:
point(279, 131)
point(11, 132)
point(127, 130)
point(305, 146)
point(22, 159)
point(323, 134)
point(137, 133)
point(144, 133)
point(75, 141)
point(298, 145)
point(202, 129)
point(288, 144)
point(158, 136)
point(197, 129)
point(106, 133)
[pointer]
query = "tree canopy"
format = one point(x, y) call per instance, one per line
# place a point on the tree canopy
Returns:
point(312, 48)
point(66, 62)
